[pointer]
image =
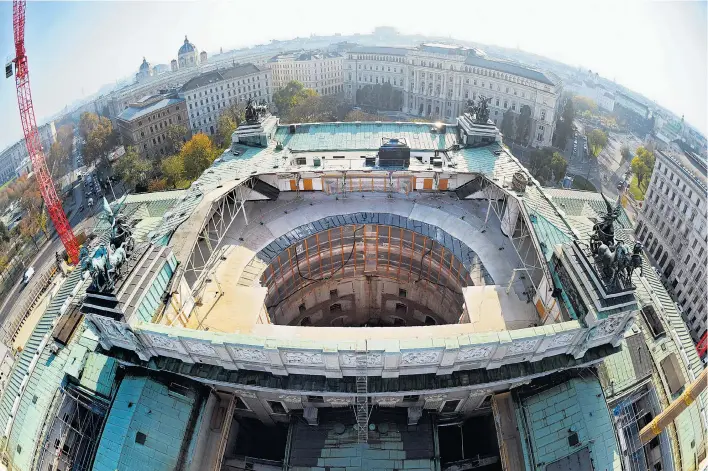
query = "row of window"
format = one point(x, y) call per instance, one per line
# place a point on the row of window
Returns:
point(229, 85)
point(462, 68)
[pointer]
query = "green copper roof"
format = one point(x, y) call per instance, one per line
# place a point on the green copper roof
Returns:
point(550, 417)
point(99, 374)
point(145, 429)
point(363, 136)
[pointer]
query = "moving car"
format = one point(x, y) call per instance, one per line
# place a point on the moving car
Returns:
point(28, 275)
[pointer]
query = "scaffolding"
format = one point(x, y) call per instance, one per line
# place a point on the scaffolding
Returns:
point(630, 415)
point(71, 440)
point(361, 405)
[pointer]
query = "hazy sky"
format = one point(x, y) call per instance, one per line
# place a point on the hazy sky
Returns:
point(655, 48)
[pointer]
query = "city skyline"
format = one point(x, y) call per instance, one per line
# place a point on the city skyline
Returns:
point(65, 67)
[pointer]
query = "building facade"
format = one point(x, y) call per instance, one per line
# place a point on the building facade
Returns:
point(672, 226)
point(437, 80)
point(15, 160)
point(209, 94)
point(320, 71)
point(144, 124)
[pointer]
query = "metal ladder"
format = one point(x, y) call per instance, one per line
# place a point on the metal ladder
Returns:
point(361, 405)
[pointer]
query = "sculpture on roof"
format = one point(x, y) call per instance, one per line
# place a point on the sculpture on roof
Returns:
point(255, 113)
point(105, 264)
point(480, 110)
point(612, 257)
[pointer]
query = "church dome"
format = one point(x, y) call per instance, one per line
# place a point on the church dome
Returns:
point(145, 66)
point(187, 47)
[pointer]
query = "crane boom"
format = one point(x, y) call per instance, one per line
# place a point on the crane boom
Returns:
point(34, 147)
point(678, 405)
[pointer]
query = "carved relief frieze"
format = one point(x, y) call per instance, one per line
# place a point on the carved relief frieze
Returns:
point(248, 354)
point(475, 353)
point(372, 359)
point(303, 358)
point(420, 358)
point(521, 346)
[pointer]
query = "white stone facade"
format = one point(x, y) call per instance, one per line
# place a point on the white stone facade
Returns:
point(319, 71)
point(207, 95)
point(436, 81)
point(672, 226)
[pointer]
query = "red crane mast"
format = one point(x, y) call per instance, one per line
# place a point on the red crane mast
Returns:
point(34, 148)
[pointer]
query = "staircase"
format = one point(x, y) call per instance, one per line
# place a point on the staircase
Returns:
point(361, 406)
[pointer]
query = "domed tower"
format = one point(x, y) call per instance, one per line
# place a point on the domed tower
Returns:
point(173, 65)
point(144, 71)
point(188, 55)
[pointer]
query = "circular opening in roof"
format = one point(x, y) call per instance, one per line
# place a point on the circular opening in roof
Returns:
point(369, 275)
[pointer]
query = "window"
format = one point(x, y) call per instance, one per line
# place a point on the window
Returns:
point(140, 438)
point(336, 307)
point(301, 161)
point(277, 407)
point(333, 294)
point(573, 439)
point(401, 309)
point(402, 293)
point(449, 406)
point(239, 404)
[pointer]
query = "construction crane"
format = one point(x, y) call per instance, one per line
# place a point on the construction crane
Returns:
point(34, 147)
point(678, 405)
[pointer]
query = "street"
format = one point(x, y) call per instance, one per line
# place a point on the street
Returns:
point(78, 219)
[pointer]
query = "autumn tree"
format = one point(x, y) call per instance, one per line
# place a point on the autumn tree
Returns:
point(547, 166)
point(101, 139)
point(175, 136)
point(597, 140)
point(87, 123)
point(290, 96)
point(197, 154)
point(643, 165)
point(173, 170)
point(225, 127)
point(133, 169)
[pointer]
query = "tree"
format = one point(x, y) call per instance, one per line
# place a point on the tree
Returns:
point(290, 96)
point(225, 127)
point(133, 169)
point(175, 136)
point(625, 152)
point(507, 124)
point(558, 166)
point(173, 169)
point(597, 140)
point(540, 164)
point(564, 124)
point(581, 104)
point(157, 184)
point(4, 233)
point(523, 125)
point(314, 109)
point(197, 154)
point(643, 165)
point(100, 140)
point(87, 123)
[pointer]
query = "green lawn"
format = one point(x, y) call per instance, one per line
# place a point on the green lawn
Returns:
point(635, 190)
